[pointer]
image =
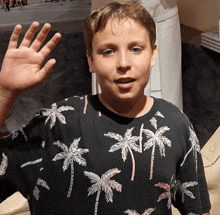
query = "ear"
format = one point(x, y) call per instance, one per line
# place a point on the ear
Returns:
point(154, 55)
point(90, 61)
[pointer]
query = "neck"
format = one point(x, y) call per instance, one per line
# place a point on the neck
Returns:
point(132, 109)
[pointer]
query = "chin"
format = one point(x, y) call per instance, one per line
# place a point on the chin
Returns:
point(122, 95)
point(127, 97)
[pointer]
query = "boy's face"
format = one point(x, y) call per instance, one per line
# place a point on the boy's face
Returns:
point(121, 58)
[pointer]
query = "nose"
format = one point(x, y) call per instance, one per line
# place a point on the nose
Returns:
point(124, 61)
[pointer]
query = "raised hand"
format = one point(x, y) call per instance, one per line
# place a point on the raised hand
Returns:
point(22, 66)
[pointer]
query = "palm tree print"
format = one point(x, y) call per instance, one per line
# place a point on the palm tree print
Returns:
point(156, 139)
point(31, 162)
point(14, 134)
point(42, 183)
point(158, 113)
point(4, 164)
point(22, 131)
point(141, 138)
point(169, 190)
point(103, 184)
point(153, 120)
point(192, 214)
point(54, 113)
point(146, 212)
point(183, 189)
point(126, 143)
point(71, 154)
point(195, 146)
point(86, 104)
point(165, 195)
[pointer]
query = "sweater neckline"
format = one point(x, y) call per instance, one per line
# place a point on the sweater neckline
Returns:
point(96, 103)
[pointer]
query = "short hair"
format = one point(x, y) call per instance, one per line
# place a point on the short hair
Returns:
point(121, 9)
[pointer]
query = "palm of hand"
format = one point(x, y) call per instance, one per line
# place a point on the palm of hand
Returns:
point(21, 68)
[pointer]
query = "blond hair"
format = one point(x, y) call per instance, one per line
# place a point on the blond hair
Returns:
point(132, 9)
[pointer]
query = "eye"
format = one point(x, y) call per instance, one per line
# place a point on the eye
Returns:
point(136, 49)
point(107, 52)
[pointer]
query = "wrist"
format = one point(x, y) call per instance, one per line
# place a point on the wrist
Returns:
point(8, 95)
point(7, 99)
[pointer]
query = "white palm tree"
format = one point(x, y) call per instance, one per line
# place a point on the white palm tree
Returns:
point(71, 154)
point(187, 192)
point(195, 146)
point(141, 138)
point(14, 134)
point(156, 139)
point(54, 113)
point(153, 120)
point(192, 214)
point(42, 183)
point(31, 162)
point(146, 212)
point(103, 184)
point(183, 189)
point(158, 113)
point(126, 143)
point(4, 164)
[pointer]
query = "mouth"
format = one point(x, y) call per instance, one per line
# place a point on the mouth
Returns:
point(125, 80)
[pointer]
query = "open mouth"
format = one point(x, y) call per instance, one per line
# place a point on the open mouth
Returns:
point(125, 80)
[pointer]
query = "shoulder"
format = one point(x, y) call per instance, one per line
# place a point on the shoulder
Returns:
point(81, 105)
point(171, 113)
point(180, 128)
point(165, 105)
point(76, 102)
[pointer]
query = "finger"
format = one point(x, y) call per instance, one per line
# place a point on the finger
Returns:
point(30, 34)
point(48, 48)
point(41, 37)
point(45, 71)
point(13, 43)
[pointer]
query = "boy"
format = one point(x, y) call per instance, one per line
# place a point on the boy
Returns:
point(118, 152)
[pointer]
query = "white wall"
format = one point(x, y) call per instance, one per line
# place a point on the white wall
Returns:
point(202, 15)
point(98, 3)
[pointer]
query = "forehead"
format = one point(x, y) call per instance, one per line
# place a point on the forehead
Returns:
point(125, 24)
point(120, 30)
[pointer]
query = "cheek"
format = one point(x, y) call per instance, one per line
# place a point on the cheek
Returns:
point(143, 69)
point(142, 61)
point(103, 78)
point(104, 68)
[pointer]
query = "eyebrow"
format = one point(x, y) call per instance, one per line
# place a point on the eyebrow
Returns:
point(112, 45)
point(106, 46)
point(138, 42)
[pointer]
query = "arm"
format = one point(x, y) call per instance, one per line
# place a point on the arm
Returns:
point(21, 68)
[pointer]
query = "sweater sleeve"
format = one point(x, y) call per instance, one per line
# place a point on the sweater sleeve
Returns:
point(26, 154)
point(21, 155)
point(190, 192)
point(6, 189)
